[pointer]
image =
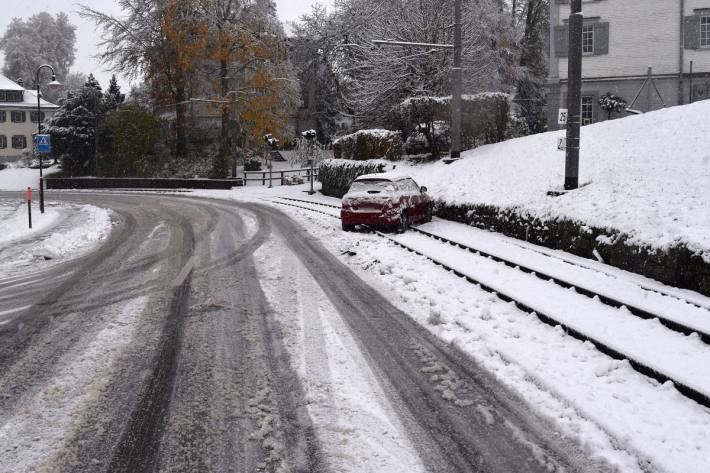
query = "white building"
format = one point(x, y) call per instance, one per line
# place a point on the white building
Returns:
point(621, 40)
point(18, 118)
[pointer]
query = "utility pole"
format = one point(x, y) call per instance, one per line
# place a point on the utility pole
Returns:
point(457, 86)
point(233, 134)
point(574, 95)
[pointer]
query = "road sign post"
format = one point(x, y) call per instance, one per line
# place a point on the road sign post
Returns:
point(29, 205)
point(43, 145)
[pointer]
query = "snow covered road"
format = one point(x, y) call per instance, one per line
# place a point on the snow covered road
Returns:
point(220, 336)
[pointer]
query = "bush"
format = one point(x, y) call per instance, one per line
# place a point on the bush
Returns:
point(369, 144)
point(336, 175)
point(252, 164)
point(484, 117)
point(127, 142)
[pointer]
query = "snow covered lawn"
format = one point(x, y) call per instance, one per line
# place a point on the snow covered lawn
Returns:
point(19, 179)
point(647, 176)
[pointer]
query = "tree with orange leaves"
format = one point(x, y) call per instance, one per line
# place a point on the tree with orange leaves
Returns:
point(248, 59)
point(160, 40)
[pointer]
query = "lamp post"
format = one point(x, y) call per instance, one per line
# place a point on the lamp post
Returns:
point(310, 136)
point(53, 85)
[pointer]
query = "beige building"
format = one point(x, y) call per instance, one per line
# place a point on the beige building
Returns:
point(621, 40)
point(18, 118)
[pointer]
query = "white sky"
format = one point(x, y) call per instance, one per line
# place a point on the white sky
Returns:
point(87, 37)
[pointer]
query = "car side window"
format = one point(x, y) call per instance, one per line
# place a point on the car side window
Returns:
point(411, 186)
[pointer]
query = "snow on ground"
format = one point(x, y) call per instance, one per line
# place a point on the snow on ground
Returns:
point(647, 176)
point(63, 231)
point(34, 440)
point(618, 416)
point(19, 179)
point(357, 428)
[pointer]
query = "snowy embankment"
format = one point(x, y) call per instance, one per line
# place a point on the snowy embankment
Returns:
point(647, 176)
point(63, 231)
point(19, 179)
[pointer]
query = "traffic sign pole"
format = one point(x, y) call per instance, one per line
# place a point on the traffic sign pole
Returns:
point(41, 195)
point(29, 205)
point(43, 145)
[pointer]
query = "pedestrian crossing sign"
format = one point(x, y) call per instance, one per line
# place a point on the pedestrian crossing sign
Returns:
point(44, 143)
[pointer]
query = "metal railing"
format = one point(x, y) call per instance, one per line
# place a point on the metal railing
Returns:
point(267, 177)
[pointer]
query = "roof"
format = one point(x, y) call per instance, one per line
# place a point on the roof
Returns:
point(7, 84)
point(29, 101)
point(385, 176)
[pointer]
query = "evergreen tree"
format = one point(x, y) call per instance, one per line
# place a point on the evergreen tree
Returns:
point(73, 128)
point(531, 84)
point(114, 97)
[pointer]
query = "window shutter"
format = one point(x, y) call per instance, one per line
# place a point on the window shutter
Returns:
point(601, 39)
point(561, 40)
point(692, 32)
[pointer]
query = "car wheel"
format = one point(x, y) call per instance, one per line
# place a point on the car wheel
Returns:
point(403, 222)
point(429, 213)
point(348, 228)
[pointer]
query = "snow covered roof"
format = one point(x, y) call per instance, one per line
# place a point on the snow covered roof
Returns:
point(29, 101)
point(7, 84)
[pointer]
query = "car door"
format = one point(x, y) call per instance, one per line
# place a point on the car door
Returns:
point(416, 200)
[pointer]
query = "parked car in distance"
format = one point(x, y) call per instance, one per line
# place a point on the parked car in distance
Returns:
point(385, 200)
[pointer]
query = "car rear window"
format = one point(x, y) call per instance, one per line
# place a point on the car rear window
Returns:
point(372, 186)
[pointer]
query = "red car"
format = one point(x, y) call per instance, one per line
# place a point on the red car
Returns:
point(385, 200)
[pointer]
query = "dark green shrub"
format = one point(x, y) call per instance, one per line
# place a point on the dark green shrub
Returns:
point(252, 164)
point(369, 144)
point(336, 175)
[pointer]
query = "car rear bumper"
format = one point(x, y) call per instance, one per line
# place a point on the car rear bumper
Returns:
point(368, 218)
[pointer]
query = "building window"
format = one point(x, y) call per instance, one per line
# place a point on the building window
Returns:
point(3, 141)
point(588, 39)
point(3, 116)
point(18, 117)
point(19, 142)
point(587, 110)
point(705, 31)
point(10, 96)
point(33, 116)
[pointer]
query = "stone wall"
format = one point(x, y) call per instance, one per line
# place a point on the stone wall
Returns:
point(139, 183)
point(676, 266)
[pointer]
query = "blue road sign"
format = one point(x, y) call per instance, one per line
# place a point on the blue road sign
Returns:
point(44, 143)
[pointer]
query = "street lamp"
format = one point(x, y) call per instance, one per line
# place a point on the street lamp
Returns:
point(53, 85)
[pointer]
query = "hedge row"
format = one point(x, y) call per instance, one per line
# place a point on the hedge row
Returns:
point(677, 266)
point(336, 175)
point(369, 144)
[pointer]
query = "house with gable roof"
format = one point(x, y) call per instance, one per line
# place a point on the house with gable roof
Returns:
point(18, 118)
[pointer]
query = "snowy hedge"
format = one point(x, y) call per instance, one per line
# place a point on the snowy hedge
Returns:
point(485, 118)
point(369, 144)
point(336, 175)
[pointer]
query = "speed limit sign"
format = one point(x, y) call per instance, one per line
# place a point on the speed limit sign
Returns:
point(562, 117)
